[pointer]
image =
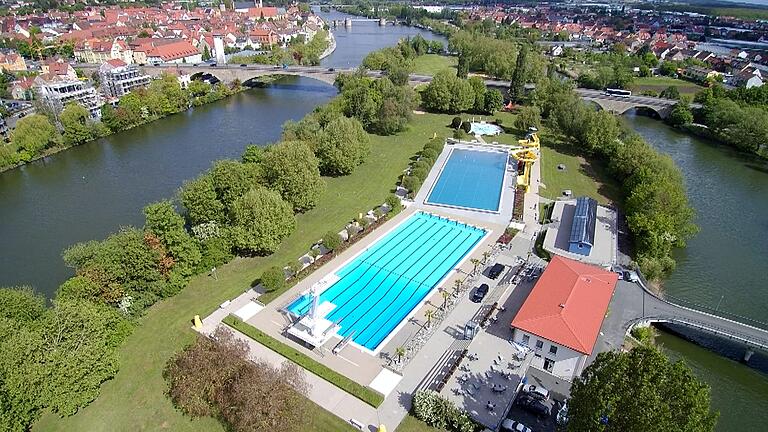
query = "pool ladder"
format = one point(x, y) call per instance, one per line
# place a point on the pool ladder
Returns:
point(344, 342)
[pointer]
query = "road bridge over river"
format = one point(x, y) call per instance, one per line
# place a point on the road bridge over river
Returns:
point(243, 73)
point(634, 305)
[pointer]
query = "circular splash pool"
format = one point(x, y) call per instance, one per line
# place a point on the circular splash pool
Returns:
point(485, 129)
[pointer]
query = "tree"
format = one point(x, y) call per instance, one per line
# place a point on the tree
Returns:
point(199, 198)
point(639, 391)
point(206, 53)
point(273, 279)
point(34, 133)
point(291, 169)
point(517, 84)
point(494, 101)
point(670, 92)
point(429, 314)
point(168, 226)
point(261, 220)
point(215, 377)
point(232, 179)
point(680, 115)
point(479, 90)
point(342, 146)
point(456, 122)
point(74, 118)
point(527, 117)
point(331, 240)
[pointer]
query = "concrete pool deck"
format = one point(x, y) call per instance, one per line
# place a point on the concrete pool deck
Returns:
point(504, 214)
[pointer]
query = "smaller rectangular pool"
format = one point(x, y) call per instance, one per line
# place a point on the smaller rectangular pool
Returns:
point(471, 179)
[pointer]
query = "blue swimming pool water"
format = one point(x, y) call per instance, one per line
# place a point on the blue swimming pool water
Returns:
point(472, 179)
point(484, 129)
point(380, 287)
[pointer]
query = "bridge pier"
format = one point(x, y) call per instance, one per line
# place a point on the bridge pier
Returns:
point(748, 355)
point(348, 22)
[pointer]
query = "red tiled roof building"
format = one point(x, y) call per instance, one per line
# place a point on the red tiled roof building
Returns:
point(561, 318)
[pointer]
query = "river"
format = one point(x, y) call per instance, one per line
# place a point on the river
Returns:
point(89, 191)
point(724, 266)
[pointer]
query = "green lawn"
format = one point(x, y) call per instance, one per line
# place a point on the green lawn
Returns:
point(134, 400)
point(659, 83)
point(580, 176)
point(412, 424)
point(430, 64)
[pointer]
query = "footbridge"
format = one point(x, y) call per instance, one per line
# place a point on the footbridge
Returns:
point(634, 305)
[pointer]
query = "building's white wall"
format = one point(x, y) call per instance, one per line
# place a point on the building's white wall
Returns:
point(568, 363)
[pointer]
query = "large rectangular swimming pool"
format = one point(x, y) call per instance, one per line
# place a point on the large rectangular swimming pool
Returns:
point(471, 179)
point(379, 288)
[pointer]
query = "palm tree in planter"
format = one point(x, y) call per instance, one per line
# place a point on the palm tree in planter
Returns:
point(475, 262)
point(486, 255)
point(457, 286)
point(446, 295)
point(428, 314)
point(400, 352)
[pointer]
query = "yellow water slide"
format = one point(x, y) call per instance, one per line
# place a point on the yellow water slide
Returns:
point(527, 156)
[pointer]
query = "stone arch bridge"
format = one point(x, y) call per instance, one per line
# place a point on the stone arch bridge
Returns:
point(620, 105)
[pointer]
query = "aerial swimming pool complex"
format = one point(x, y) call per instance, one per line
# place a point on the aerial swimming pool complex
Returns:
point(470, 179)
point(371, 295)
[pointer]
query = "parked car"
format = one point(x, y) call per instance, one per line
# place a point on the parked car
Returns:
point(495, 271)
point(480, 293)
point(509, 425)
point(538, 392)
point(331, 69)
point(534, 405)
point(243, 65)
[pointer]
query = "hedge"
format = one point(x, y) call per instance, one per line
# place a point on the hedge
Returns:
point(365, 394)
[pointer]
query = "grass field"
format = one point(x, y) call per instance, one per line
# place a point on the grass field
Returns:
point(135, 399)
point(660, 83)
point(580, 176)
point(430, 64)
point(412, 424)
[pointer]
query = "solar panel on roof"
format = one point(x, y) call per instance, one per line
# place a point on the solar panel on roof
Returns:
point(583, 225)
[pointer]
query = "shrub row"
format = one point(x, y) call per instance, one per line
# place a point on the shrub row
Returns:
point(420, 169)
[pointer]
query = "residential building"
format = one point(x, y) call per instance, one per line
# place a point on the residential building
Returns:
point(118, 78)
point(178, 51)
point(60, 68)
point(23, 89)
point(561, 318)
point(57, 91)
point(746, 79)
point(698, 73)
point(12, 62)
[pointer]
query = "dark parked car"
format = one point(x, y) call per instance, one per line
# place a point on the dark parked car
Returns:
point(331, 70)
point(495, 271)
point(243, 65)
point(480, 293)
point(533, 405)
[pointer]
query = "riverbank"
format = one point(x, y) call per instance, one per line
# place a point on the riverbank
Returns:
point(195, 101)
point(331, 46)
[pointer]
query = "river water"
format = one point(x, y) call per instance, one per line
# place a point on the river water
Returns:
point(87, 192)
point(724, 266)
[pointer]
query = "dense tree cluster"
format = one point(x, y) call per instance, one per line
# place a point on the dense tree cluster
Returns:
point(736, 117)
point(381, 106)
point(36, 134)
point(638, 391)
point(495, 56)
point(214, 377)
point(656, 206)
point(53, 358)
point(448, 93)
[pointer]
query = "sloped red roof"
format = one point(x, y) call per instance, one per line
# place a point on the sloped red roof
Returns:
point(568, 303)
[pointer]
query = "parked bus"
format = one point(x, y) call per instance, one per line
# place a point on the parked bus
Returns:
point(618, 92)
